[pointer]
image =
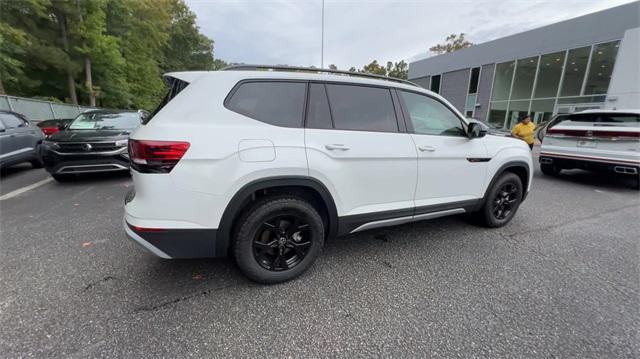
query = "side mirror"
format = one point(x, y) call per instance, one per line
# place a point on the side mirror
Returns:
point(475, 130)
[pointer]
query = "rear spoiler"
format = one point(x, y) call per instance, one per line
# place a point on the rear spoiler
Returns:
point(186, 76)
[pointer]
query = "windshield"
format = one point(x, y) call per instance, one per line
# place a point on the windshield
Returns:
point(106, 121)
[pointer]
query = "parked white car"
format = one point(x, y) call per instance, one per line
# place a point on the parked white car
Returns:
point(267, 164)
point(595, 140)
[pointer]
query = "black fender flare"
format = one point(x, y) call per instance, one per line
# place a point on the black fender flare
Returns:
point(510, 164)
point(224, 235)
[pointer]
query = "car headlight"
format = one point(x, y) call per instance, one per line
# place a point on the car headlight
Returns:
point(51, 144)
point(122, 143)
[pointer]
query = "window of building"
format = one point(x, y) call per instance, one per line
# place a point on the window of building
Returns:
point(516, 110)
point(362, 108)
point(474, 79)
point(603, 57)
point(497, 113)
point(541, 110)
point(275, 103)
point(523, 81)
point(576, 67)
point(502, 80)
point(318, 114)
point(435, 83)
point(549, 74)
point(430, 116)
point(470, 106)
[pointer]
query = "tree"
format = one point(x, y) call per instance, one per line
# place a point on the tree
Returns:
point(452, 43)
point(398, 70)
point(120, 49)
point(374, 68)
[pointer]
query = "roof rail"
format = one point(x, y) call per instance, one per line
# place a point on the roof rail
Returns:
point(313, 70)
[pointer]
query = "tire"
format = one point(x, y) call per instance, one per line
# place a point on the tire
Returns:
point(36, 163)
point(278, 239)
point(550, 170)
point(61, 178)
point(489, 215)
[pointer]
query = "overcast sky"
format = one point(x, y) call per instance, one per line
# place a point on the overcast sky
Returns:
point(356, 32)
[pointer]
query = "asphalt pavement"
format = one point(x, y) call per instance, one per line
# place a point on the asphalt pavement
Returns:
point(561, 280)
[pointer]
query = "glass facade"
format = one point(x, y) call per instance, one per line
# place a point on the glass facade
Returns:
point(543, 85)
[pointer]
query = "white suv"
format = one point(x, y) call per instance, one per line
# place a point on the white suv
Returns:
point(266, 164)
point(596, 140)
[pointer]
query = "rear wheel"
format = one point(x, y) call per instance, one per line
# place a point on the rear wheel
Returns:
point(278, 239)
point(502, 202)
point(549, 169)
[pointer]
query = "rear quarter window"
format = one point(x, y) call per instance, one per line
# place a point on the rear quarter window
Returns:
point(277, 103)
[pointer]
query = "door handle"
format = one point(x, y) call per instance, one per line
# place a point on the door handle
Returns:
point(337, 147)
point(426, 148)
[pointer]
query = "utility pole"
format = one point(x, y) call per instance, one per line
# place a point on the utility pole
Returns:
point(322, 39)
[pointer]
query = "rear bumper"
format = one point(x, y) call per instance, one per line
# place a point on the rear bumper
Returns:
point(84, 163)
point(174, 243)
point(590, 163)
point(170, 242)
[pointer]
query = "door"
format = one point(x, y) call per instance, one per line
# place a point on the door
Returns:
point(451, 167)
point(356, 147)
point(15, 140)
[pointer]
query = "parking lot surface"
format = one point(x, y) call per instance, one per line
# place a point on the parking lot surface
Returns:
point(562, 280)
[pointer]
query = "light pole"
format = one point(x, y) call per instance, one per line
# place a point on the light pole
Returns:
point(322, 39)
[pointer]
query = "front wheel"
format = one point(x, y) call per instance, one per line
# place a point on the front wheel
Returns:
point(278, 239)
point(502, 202)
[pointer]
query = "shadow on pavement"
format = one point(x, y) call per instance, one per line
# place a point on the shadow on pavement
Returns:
point(606, 180)
point(15, 170)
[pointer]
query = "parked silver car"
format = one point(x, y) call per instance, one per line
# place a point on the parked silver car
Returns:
point(19, 140)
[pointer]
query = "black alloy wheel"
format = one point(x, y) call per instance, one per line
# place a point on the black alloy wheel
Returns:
point(505, 201)
point(501, 202)
point(282, 242)
point(278, 238)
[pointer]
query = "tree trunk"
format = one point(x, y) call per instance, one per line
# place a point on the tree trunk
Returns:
point(65, 42)
point(2, 92)
point(89, 81)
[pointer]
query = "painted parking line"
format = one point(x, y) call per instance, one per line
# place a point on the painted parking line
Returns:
point(22, 190)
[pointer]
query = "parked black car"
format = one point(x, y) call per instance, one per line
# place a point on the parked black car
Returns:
point(19, 140)
point(96, 141)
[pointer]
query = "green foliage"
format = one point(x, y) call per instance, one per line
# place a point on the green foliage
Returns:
point(398, 69)
point(121, 47)
point(452, 43)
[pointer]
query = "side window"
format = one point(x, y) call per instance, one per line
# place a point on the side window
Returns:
point(362, 108)
point(11, 121)
point(275, 103)
point(318, 114)
point(430, 116)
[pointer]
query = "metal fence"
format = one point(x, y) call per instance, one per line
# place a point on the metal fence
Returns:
point(39, 110)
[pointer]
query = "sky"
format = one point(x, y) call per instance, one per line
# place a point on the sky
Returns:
point(357, 31)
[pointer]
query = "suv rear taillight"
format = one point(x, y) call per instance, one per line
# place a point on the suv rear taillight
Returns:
point(156, 156)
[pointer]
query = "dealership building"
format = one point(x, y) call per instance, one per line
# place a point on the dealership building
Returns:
point(592, 61)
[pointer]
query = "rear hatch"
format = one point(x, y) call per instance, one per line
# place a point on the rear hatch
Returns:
point(610, 135)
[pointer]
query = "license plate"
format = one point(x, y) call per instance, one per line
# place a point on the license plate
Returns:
point(587, 143)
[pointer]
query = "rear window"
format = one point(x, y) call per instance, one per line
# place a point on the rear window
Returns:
point(603, 119)
point(175, 86)
point(362, 108)
point(277, 103)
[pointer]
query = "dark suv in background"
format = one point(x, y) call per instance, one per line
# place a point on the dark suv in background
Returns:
point(96, 141)
point(19, 140)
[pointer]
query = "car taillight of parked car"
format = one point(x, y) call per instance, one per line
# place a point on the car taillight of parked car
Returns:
point(49, 130)
point(156, 156)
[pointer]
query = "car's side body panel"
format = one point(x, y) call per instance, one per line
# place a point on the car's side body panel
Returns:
point(380, 176)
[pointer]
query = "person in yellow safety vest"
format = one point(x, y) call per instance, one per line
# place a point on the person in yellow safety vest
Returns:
point(525, 130)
